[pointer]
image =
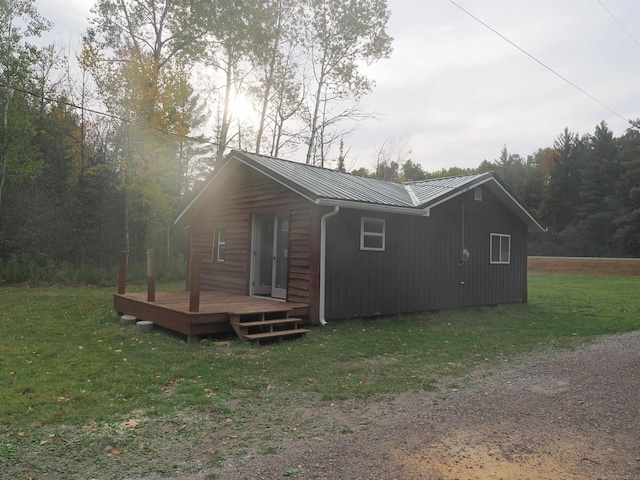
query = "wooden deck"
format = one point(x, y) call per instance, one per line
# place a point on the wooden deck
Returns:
point(171, 310)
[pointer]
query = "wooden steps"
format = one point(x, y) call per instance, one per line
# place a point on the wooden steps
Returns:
point(276, 334)
point(265, 325)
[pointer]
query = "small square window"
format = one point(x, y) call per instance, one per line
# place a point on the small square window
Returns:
point(219, 244)
point(372, 234)
point(477, 194)
point(500, 248)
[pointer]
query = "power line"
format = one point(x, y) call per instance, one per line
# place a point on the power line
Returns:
point(618, 22)
point(542, 64)
point(106, 114)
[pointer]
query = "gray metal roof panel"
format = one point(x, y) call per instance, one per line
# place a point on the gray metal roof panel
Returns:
point(329, 187)
point(428, 191)
point(322, 183)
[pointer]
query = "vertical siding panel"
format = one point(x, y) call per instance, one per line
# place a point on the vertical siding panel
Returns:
point(420, 269)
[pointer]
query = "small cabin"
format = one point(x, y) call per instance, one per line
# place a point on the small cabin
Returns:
point(351, 246)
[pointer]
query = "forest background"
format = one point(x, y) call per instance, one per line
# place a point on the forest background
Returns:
point(101, 149)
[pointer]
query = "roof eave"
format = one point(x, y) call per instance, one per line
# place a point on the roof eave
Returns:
point(372, 207)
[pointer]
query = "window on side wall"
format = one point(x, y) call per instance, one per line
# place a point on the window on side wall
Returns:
point(500, 248)
point(219, 244)
point(372, 234)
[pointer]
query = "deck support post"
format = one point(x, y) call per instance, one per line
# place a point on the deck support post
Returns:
point(194, 283)
point(151, 279)
point(122, 272)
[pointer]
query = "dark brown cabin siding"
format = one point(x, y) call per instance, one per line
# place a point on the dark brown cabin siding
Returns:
point(420, 269)
point(243, 193)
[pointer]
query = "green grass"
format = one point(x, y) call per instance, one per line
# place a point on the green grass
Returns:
point(73, 381)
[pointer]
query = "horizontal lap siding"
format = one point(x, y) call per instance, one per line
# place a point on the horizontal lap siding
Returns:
point(299, 254)
point(240, 195)
point(420, 269)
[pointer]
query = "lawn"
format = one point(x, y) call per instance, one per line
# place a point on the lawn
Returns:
point(84, 397)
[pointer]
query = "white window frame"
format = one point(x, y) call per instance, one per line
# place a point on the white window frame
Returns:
point(364, 234)
point(504, 238)
point(218, 243)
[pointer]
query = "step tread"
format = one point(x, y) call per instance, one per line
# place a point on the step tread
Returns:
point(278, 321)
point(251, 309)
point(279, 333)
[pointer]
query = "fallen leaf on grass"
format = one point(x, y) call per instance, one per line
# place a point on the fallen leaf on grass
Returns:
point(131, 423)
point(64, 398)
point(115, 451)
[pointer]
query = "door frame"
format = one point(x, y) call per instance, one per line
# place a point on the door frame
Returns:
point(257, 252)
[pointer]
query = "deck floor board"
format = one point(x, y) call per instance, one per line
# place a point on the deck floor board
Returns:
point(171, 309)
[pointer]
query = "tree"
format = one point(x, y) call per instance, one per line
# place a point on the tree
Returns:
point(237, 35)
point(388, 158)
point(561, 198)
point(138, 51)
point(627, 234)
point(412, 171)
point(19, 20)
point(340, 36)
point(276, 89)
point(597, 193)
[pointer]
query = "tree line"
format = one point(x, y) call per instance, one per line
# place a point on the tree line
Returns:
point(101, 148)
point(584, 188)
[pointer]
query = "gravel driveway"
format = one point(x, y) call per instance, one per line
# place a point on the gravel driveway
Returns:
point(566, 416)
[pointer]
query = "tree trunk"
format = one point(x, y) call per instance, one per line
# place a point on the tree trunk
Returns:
point(5, 143)
point(314, 120)
point(224, 128)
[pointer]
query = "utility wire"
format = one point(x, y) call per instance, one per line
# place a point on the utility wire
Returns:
point(542, 64)
point(106, 114)
point(618, 22)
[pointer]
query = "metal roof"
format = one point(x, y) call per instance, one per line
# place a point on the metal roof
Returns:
point(329, 187)
point(322, 183)
point(428, 191)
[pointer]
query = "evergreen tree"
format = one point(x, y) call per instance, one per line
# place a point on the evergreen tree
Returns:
point(627, 223)
point(561, 198)
point(597, 193)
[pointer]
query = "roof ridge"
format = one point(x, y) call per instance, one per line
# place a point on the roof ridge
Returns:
point(428, 180)
point(304, 164)
point(327, 169)
point(412, 195)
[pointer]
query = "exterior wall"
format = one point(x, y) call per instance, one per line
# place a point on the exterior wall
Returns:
point(420, 269)
point(241, 193)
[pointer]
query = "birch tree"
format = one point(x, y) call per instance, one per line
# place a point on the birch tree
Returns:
point(236, 33)
point(278, 89)
point(340, 36)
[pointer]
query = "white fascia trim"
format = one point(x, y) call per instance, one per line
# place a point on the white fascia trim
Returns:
point(371, 207)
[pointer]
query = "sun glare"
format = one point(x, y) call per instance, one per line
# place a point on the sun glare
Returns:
point(242, 109)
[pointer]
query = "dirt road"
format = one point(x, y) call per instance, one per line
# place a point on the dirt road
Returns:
point(566, 416)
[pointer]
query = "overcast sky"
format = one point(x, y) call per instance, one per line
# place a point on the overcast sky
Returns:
point(458, 92)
